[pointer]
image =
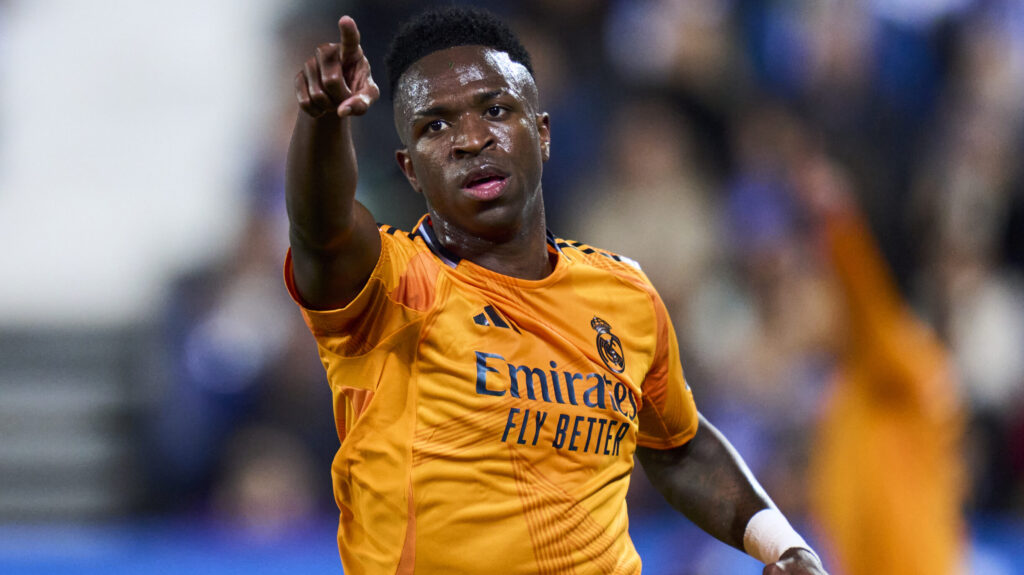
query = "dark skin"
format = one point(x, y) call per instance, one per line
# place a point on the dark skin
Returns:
point(474, 143)
point(334, 239)
point(707, 481)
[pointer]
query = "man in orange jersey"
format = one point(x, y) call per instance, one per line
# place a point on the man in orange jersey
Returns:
point(886, 472)
point(491, 382)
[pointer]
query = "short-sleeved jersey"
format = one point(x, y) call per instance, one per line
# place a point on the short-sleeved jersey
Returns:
point(488, 423)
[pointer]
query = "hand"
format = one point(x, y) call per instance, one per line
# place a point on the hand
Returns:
point(796, 561)
point(824, 188)
point(338, 77)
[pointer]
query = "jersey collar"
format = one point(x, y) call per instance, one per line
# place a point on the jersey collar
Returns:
point(425, 230)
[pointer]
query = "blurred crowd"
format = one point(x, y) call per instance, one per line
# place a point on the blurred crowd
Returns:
point(682, 133)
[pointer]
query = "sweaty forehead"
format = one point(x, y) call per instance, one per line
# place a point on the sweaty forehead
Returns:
point(441, 74)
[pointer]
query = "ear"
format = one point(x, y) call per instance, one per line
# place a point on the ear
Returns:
point(405, 164)
point(544, 130)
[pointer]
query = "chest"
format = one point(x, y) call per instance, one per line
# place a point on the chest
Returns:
point(530, 365)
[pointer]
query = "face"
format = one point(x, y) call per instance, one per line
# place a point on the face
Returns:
point(475, 142)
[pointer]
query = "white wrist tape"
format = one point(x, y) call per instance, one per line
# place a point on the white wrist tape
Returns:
point(769, 535)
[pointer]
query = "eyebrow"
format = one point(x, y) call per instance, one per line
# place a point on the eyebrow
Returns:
point(486, 96)
point(478, 99)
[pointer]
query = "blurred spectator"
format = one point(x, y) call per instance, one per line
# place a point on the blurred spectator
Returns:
point(573, 97)
point(239, 362)
point(765, 327)
point(686, 46)
point(238, 356)
point(966, 191)
point(653, 201)
point(267, 487)
point(886, 467)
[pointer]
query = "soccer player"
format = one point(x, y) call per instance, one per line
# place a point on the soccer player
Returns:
point(887, 471)
point(491, 382)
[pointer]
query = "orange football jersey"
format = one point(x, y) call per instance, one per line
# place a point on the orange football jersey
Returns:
point(887, 472)
point(488, 423)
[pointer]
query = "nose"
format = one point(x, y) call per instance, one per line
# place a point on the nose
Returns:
point(472, 136)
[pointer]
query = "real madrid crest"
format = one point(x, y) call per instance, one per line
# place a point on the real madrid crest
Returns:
point(608, 346)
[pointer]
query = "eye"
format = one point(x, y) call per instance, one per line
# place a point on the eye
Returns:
point(495, 112)
point(435, 126)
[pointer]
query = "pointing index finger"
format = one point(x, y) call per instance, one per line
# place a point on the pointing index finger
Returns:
point(349, 34)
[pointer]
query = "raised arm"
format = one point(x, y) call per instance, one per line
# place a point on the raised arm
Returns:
point(334, 240)
point(708, 482)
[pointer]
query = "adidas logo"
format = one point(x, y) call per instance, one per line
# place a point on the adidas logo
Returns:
point(491, 317)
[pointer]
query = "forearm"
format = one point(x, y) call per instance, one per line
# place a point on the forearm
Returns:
point(707, 481)
point(335, 242)
point(320, 181)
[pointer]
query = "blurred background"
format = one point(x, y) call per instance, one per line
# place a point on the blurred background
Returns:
point(162, 406)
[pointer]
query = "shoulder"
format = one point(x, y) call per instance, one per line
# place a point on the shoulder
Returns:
point(401, 241)
point(404, 252)
point(600, 258)
point(407, 270)
point(623, 268)
point(397, 234)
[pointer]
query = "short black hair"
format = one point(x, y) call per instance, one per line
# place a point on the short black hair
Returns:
point(443, 28)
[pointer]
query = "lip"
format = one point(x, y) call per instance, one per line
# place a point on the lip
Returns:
point(484, 182)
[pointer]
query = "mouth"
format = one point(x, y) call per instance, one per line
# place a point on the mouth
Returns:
point(485, 183)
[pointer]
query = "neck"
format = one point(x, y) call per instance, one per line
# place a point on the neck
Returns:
point(522, 255)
